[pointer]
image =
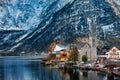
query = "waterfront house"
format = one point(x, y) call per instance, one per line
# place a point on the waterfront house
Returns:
point(101, 54)
point(102, 57)
point(114, 53)
point(108, 53)
point(63, 55)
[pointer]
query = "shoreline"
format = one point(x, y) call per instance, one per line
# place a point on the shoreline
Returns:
point(23, 57)
point(103, 70)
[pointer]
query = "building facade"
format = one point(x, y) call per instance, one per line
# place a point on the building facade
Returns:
point(110, 54)
point(114, 53)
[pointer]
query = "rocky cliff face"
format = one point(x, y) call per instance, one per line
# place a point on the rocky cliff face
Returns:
point(32, 26)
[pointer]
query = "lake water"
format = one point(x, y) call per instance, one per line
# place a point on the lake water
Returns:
point(17, 69)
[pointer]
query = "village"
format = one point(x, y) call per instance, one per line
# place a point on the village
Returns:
point(85, 56)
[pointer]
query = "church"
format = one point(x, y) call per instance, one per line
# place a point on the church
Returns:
point(90, 47)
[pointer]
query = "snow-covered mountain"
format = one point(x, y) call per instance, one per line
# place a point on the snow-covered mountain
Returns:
point(29, 26)
point(115, 4)
point(26, 14)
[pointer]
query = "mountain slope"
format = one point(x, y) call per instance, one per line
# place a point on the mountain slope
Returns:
point(62, 21)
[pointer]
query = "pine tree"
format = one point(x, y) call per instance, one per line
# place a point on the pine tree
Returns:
point(74, 54)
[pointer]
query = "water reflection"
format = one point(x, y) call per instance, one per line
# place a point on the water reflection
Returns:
point(73, 74)
point(85, 74)
point(110, 77)
point(33, 70)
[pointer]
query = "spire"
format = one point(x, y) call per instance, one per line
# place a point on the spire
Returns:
point(92, 26)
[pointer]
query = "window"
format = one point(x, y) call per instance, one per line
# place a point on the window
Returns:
point(114, 50)
point(93, 40)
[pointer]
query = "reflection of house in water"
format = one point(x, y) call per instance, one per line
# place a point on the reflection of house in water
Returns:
point(85, 75)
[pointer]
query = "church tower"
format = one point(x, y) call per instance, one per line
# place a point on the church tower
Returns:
point(92, 39)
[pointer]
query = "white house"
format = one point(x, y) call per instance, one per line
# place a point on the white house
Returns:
point(114, 53)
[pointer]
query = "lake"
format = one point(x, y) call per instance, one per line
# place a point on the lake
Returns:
point(27, 69)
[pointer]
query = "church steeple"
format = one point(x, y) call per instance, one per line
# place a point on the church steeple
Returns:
point(92, 38)
point(92, 33)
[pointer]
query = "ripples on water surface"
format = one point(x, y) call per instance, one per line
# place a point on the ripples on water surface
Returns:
point(17, 69)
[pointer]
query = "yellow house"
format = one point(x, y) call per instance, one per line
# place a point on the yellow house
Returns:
point(63, 55)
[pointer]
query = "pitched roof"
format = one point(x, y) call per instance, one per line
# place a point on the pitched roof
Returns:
point(81, 45)
point(105, 49)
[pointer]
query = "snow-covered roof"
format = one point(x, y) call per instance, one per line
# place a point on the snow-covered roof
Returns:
point(59, 48)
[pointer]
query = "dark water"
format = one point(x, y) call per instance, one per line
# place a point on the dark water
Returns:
point(14, 69)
